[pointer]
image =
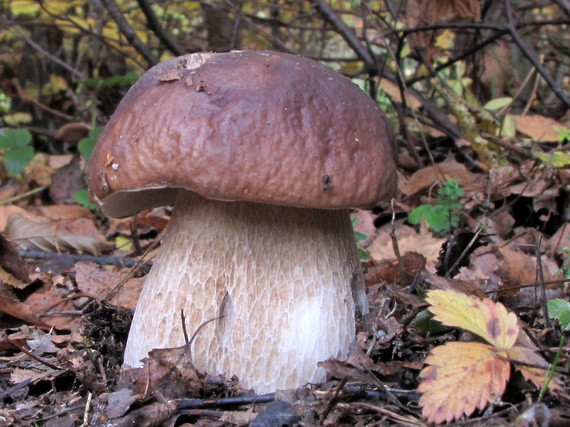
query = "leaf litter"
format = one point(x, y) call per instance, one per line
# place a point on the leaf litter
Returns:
point(441, 343)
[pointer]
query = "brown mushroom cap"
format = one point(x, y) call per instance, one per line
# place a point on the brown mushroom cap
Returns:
point(243, 126)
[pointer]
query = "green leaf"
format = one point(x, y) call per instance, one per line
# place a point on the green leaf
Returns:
point(359, 236)
point(16, 159)
point(12, 138)
point(498, 103)
point(439, 219)
point(86, 145)
point(416, 216)
point(82, 197)
point(363, 255)
point(556, 307)
point(508, 127)
point(451, 189)
point(565, 320)
point(425, 323)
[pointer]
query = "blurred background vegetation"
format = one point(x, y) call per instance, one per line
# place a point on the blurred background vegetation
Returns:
point(68, 62)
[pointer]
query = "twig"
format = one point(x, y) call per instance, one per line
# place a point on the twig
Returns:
point(395, 245)
point(228, 401)
point(129, 32)
point(334, 400)
point(540, 279)
point(183, 321)
point(464, 253)
point(564, 5)
point(23, 195)
point(532, 57)
point(48, 55)
point(33, 356)
point(139, 264)
point(87, 408)
point(7, 393)
point(347, 34)
point(73, 258)
point(507, 145)
point(155, 26)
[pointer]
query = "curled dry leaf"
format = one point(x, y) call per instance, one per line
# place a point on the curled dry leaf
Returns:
point(51, 239)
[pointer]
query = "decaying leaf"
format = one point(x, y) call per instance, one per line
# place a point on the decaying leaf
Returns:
point(539, 128)
point(538, 376)
point(485, 318)
point(9, 304)
point(49, 238)
point(462, 377)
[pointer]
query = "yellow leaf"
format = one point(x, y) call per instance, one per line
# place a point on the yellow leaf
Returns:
point(461, 378)
point(16, 119)
point(508, 128)
point(558, 159)
point(534, 375)
point(56, 84)
point(489, 320)
point(123, 243)
point(445, 39)
point(24, 7)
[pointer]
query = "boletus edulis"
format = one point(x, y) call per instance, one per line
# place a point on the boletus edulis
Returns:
point(262, 154)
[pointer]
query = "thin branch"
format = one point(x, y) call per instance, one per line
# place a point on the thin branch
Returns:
point(532, 57)
point(48, 55)
point(347, 34)
point(129, 32)
point(73, 258)
point(540, 280)
point(564, 5)
point(157, 29)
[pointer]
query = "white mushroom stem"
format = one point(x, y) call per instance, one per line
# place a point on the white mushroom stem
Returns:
point(282, 278)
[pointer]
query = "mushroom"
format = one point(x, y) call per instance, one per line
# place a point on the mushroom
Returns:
point(262, 154)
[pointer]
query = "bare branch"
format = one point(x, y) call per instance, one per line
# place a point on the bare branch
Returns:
point(347, 34)
point(532, 57)
point(129, 32)
point(155, 26)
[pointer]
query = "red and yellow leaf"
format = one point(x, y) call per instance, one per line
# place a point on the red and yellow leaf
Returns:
point(535, 375)
point(461, 378)
point(489, 320)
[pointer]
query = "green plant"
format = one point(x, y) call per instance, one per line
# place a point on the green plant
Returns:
point(559, 309)
point(17, 149)
point(442, 217)
point(563, 134)
point(85, 148)
point(362, 253)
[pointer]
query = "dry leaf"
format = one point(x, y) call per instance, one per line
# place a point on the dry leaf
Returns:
point(539, 128)
point(535, 375)
point(51, 239)
point(461, 378)
point(409, 240)
point(432, 174)
point(17, 309)
point(485, 318)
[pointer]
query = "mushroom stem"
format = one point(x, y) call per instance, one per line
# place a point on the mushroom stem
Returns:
point(283, 279)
